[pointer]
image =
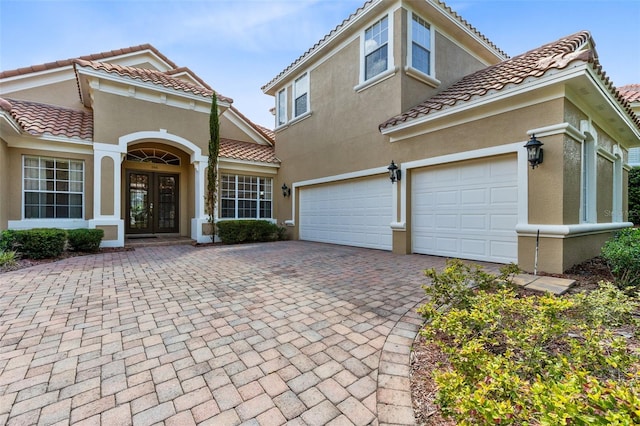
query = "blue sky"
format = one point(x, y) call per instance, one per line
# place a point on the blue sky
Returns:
point(237, 46)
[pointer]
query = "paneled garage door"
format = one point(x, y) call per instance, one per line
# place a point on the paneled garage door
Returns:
point(354, 213)
point(467, 210)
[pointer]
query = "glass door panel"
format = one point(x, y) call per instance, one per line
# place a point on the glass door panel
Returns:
point(152, 203)
point(139, 203)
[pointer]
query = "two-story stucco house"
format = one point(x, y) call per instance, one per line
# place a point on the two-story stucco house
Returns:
point(119, 141)
point(411, 82)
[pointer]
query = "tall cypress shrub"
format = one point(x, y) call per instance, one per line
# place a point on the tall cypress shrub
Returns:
point(212, 169)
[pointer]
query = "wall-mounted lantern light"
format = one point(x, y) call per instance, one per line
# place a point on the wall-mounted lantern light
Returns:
point(534, 151)
point(286, 191)
point(395, 174)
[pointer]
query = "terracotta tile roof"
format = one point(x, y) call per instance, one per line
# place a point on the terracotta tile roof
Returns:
point(533, 64)
point(186, 70)
point(361, 10)
point(92, 57)
point(151, 76)
point(630, 92)
point(42, 119)
point(268, 132)
point(247, 151)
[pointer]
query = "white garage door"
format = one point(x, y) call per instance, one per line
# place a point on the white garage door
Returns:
point(467, 210)
point(354, 213)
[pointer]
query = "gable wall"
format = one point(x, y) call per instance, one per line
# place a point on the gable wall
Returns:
point(115, 116)
point(64, 93)
point(229, 130)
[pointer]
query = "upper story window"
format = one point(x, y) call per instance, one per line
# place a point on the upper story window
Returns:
point(281, 108)
point(420, 58)
point(376, 48)
point(301, 95)
point(53, 188)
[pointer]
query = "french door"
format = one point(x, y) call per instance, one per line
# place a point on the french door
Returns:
point(152, 203)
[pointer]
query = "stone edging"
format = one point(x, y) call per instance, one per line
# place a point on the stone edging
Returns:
point(393, 395)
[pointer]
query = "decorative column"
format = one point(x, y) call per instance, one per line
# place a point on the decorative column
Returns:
point(107, 160)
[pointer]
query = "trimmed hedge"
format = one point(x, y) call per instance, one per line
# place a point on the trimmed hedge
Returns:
point(40, 243)
point(85, 240)
point(248, 231)
point(43, 243)
point(7, 240)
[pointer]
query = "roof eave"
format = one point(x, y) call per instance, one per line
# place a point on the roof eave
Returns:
point(553, 77)
point(116, 78)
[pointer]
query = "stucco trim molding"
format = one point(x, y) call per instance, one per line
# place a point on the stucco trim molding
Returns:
point(568, 231)
point(558, 129)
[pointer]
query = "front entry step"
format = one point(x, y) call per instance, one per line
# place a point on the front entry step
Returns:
point(134, 241)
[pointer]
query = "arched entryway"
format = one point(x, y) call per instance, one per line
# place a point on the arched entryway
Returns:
point(152, 190)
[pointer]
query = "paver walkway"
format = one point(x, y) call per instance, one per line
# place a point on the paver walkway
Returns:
point(288, 332)
point(264, 334)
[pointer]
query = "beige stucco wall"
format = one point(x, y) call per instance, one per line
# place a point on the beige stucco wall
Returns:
point(63, 93)
point(116, 116)
point(106, 186)
point(229, 130)
point(110, 232)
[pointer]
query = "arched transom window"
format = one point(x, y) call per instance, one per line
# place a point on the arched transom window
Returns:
point(153, 155)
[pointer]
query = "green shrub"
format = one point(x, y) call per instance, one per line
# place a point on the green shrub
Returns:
point(622, 253)
point(40, 243)
point(7, 239)
point(247, 231)
point(532, 360)
point(459, 281)
point(85, 240)
point(634, 195)
point(8, 258)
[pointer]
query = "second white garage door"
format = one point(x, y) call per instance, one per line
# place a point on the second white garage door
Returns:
point(467, 210)
point(355, 213)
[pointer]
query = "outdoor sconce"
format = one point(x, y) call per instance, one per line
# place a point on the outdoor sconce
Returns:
point(534, 151)
point(286, 191)
point(395, 174)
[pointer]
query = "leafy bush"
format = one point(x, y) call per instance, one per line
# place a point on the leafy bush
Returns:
point(532, 360)
point(7, 240)
point(459, 282)
point(8, 258)
point(634, 195)
point(622, 253)
point(40, 243)
point(86, 240)
point(247, 231)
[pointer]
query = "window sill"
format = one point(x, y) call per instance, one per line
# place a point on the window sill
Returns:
point(293, 121)
point(375, 80)
point(420, 76)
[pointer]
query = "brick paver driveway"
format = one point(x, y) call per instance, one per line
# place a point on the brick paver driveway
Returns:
point(289, 332)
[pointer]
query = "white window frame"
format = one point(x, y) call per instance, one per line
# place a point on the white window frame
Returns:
point(426, 77)
point(390, 70)
point(616, 202)
point(588, 176)
point(268, 197)
point(299, 92)
point(281, 107)
point(69, 192)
